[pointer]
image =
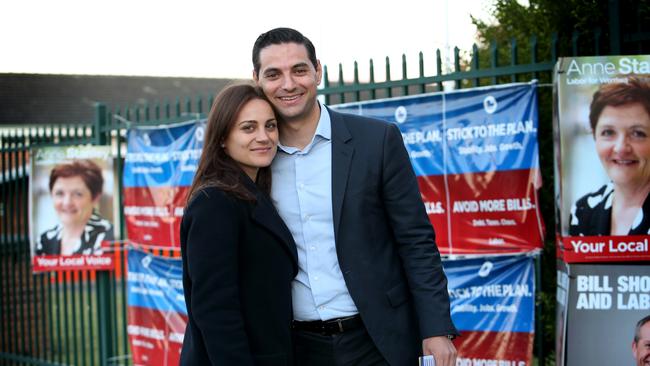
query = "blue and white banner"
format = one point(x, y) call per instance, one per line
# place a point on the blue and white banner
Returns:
point(159, 168)
point(475, 155)
point(493, 306)
point(156, 308)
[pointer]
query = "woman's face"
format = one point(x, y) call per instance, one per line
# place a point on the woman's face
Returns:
point(253, 139)
point(73, 201)
point(623, 144)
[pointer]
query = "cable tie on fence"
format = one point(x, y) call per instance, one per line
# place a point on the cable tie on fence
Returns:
point(123, 120)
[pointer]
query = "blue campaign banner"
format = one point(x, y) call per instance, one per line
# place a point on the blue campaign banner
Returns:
point(155, 282)
point(494, 294)
point(163, 156)
point(463, 131)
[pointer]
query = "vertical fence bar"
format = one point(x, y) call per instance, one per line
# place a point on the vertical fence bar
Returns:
point(3, 243)
point(405, 88)
point(357, 93)
point(326, 84)
point(597, 35)
point(533, 54)
point(613, 8)
point(457, 67)
point(423, 87)
point(494, 59)
point(373, 91)
point(439, 68)
point(513, 58)
point(389, 89)
point(554, 46)
point(103, 277)
point(574, 43)
point(341, 83)
point(475, 64)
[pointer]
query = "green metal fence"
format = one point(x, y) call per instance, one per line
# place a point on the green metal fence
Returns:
point(79, 317)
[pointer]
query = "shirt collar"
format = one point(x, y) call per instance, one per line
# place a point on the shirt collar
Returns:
point(323, 131)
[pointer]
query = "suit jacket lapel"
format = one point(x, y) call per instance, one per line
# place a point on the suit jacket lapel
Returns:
point(342, 153)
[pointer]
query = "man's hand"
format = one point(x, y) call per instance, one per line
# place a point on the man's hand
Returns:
point(442, 350)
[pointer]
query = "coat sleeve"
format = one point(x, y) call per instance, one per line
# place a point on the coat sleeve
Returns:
point(415, 238)
point(211, 232)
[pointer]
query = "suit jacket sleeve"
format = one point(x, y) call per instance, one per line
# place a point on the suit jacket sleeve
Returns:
point(212, 234)
point(415, 238)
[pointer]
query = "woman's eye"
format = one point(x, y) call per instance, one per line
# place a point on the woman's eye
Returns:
point(271, 126)
point(639, 134)
point(607, 133)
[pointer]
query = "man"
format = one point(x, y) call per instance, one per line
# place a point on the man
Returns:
point(370, 288)
point(641, 344)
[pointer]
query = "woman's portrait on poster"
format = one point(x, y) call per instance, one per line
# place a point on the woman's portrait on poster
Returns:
point(75, 188)
point(619, 117)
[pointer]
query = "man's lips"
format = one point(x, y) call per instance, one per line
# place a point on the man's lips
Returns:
point(289, 98)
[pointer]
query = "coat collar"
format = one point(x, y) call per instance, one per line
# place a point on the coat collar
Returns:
point(265, 214)
point(342, 152)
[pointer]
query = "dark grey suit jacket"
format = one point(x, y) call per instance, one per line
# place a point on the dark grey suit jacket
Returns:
point(384, 239)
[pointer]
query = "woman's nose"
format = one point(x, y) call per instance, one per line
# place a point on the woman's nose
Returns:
point(621, 144)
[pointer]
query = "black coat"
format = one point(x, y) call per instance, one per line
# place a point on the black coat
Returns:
point(238, 263)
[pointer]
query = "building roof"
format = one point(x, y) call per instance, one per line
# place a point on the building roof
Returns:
point(28, 99)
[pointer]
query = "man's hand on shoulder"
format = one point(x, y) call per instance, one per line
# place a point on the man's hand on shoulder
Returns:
point(442, 349)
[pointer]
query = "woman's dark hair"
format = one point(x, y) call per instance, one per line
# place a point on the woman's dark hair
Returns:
point(216, 168)
point(636, 90)
point(87, 170)
point(279, 36)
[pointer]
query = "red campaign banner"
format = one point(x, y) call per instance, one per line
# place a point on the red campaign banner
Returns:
point(43, 263)
point(153, 214)
point(494, 348)
point(484, 212)
point(156, 337)
point(584, 249)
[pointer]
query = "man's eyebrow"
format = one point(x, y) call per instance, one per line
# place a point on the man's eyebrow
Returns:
point(301, 64)
point(270, 69)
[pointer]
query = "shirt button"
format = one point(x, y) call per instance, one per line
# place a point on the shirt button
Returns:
point(312, 247)
point(321, 307)
point(301, 186)
point(307, 217)
point(316, 278)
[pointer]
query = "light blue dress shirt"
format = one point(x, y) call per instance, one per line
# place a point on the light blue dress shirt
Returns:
point(302, 194)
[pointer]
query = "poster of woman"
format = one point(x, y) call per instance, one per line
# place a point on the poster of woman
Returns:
point(71, 208)
point(603, 125)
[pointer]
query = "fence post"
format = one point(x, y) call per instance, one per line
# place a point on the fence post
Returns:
point(104, 314)
point(614, 27)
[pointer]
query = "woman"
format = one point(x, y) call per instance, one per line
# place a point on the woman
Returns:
point(76, 188)
point(238, 256)
point(620, 120)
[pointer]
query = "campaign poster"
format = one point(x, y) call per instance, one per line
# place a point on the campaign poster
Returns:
point(602, 136)
point(159, 168)
point(493, 307)
point(72, 206)
point(156, 312)
point(475, 155)
point(605, 302)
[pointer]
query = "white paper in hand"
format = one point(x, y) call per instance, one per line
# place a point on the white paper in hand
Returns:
point(427, 361)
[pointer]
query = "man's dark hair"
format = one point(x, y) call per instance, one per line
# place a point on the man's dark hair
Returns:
point(637, 330)
point(280, 36)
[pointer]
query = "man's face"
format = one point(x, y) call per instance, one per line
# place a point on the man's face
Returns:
point(641, 348)
point(289, 80)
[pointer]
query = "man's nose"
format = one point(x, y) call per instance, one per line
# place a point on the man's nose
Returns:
point(288, 83)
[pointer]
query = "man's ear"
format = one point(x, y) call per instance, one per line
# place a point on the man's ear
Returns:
point(319, 72)
point(255, 77)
